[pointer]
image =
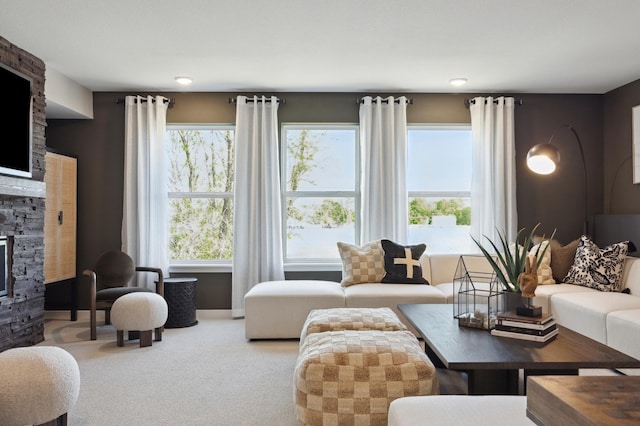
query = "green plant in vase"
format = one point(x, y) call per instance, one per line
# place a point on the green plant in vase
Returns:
point(507, 262)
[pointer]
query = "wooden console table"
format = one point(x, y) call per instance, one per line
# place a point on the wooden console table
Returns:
point(583, 400)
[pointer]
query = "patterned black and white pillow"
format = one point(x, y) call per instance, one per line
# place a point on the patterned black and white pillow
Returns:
point(402, 263)
point(598, 268)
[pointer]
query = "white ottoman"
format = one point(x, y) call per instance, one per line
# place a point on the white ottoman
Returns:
point(139, 312)
point(278, 309)
point(38, 384)
point(462, 410)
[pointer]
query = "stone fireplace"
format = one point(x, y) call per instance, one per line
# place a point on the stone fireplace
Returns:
point(22, 221)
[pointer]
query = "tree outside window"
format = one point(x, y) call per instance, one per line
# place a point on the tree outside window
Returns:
point(200, 192)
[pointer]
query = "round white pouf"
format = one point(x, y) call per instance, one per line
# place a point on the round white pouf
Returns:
point(37, 384)
point(141, 312)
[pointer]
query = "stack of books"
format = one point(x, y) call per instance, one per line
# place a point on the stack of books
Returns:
point(537, 329)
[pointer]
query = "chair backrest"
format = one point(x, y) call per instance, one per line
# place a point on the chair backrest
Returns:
point(114, 269)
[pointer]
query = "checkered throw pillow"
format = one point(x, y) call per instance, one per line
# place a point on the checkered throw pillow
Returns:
point(361, 264)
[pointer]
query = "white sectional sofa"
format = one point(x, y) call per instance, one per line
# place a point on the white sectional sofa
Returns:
point(278, 309)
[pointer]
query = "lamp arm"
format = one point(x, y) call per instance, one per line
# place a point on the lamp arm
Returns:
point(584, 169)
point(613, 181)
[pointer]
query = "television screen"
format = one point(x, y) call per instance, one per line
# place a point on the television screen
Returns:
point(15, 122)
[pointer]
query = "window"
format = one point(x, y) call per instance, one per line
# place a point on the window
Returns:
point(320, 190)
point(200, 177)
point(439, 185)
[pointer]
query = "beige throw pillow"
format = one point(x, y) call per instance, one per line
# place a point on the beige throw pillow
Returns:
point(361, 264)
point(545, 273)
point(562, 258)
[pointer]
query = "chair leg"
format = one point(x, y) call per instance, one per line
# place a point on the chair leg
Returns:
point(120, 337)
point(158, 333)
point(93, 325)
point(59, 421)
point(107, 316)
point(145, 338)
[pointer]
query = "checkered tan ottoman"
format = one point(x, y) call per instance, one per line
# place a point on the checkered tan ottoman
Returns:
point(350, 377)
point(363, 319)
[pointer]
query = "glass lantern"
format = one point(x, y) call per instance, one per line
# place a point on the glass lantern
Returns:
point(478, 293)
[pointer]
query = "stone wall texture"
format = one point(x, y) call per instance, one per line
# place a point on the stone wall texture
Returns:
point(22, 221)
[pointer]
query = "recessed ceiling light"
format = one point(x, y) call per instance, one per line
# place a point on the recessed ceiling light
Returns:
point(185, 81)
point(458, 81)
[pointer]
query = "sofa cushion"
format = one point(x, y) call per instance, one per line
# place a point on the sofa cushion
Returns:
point(631, 275)
point(376, 295)
point(586, 312)
point(402, 263)
point(562, 258)
point(598, 268)
point(363, 264)
point(621, 325)
point(544, 293)
point(278, 309)
point(442, 268)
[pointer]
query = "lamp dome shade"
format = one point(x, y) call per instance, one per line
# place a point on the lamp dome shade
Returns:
point(543, 158)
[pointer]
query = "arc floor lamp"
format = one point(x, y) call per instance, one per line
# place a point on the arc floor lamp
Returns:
point(544, 158)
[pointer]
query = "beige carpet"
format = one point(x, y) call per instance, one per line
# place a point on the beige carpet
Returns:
point(208, 374)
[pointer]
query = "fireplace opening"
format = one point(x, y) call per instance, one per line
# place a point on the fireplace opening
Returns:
point(5, 266)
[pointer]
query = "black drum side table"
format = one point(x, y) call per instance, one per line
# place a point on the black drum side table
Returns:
point(180, 294)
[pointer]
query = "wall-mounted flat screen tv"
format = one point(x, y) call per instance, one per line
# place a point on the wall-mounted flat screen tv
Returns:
point(16, 122)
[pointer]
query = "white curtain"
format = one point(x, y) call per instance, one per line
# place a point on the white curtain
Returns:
point(493, 192)
point(145, 203)
point(257, 235)
point(383, 137)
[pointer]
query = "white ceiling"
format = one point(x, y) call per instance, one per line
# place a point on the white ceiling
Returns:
point(526, 46)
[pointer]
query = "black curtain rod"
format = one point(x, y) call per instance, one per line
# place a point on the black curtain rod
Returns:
point(282, 101)
point(468, 102)
point(386, 101)
point(171, 101)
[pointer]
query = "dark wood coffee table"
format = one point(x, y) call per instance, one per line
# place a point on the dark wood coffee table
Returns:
point(493, 363)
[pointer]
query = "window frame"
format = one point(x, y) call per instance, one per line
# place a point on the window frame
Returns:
point(212, 265)
point(317, 264)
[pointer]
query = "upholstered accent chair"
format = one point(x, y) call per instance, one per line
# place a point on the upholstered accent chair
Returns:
point(113, 276)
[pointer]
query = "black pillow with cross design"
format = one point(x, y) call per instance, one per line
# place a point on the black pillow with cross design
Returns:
point(402, 263)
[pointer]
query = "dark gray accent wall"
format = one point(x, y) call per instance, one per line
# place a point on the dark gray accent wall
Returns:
point(621, 196)
point(555, 201)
